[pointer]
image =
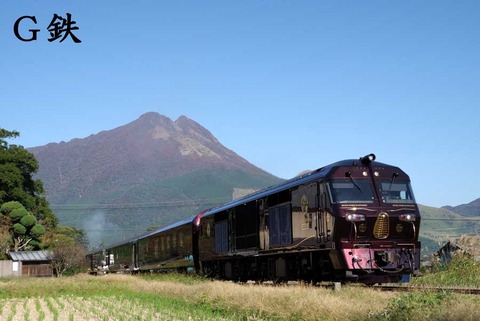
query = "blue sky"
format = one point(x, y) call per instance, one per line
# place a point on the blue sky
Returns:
point(288, 85)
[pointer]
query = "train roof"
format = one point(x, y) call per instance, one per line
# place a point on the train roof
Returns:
point(168, 227)
point(301, 179)
point(143, 235)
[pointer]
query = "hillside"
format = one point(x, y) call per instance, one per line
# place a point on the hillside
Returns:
point(471, 209)
point(440, 225)
point(149, 172)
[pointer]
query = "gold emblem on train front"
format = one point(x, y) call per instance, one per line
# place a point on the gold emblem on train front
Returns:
point(382, 226)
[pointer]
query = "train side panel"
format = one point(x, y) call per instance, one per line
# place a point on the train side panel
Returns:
point(170, 249)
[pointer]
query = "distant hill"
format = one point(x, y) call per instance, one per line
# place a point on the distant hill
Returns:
point(470, 209)
point(149, 172)
point(440, 225)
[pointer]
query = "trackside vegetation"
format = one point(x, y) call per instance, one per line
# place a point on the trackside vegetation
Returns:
point(461, 271)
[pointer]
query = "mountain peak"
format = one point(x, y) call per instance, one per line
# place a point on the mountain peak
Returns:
point(149, 149)
point(151, 119)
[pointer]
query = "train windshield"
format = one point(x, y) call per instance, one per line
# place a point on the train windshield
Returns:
point(396, 192)
point(351, 191)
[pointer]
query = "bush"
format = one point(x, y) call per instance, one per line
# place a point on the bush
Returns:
point(37, 231)
point(19, 229)
point(8, 207)
point(28, 220)
point(18, 213)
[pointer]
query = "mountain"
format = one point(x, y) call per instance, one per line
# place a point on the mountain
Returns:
point(470, 209)
point(150, 172)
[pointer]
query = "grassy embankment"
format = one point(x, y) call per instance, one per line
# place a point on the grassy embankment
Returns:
point(177, 297)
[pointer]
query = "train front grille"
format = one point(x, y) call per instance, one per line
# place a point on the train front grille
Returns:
point(382, 226)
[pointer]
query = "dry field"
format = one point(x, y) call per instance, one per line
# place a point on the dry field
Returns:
point(122, 297)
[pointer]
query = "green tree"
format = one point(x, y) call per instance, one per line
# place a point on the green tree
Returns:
point(65, 234)
point(17, 167)
point(25, 215)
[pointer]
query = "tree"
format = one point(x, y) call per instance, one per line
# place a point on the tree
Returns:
point(21, 226)
point(68, 250)
point(4, 239)
point(65, 234)
point(17, 167)
point(25, 215)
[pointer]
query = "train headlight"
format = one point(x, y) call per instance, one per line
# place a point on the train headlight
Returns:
point(355, 217)
point(407, 217)
point(366, 160)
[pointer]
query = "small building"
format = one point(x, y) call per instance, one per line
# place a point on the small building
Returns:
point(32, 263)
point(10, 269)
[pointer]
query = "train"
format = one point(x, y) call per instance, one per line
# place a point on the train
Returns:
point(355, 220)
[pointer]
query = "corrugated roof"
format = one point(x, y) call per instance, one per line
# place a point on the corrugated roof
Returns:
point(30, 256)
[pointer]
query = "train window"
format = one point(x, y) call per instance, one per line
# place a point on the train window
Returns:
point(396, 192)
point(346, 191)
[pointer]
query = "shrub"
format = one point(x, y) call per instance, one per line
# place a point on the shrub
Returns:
point(19, 229)
point(18, 213)
point(9, 207)
point(28, 220)
point(37, 230)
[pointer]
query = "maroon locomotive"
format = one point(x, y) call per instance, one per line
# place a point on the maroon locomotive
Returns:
point(352, 220)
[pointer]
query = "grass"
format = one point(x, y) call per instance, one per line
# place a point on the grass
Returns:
point(180, 297)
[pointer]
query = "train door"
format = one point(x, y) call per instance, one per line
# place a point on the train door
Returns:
point(246, 226)
point(222, 227)
point(324, 218)
point(280, 224)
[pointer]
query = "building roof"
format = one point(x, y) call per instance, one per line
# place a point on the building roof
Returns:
point(30, 256)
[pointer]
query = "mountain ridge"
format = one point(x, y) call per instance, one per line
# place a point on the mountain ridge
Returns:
point(151, 148)
point(471, 209)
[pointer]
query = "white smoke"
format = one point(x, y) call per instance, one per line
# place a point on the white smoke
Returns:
point(99, 228)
